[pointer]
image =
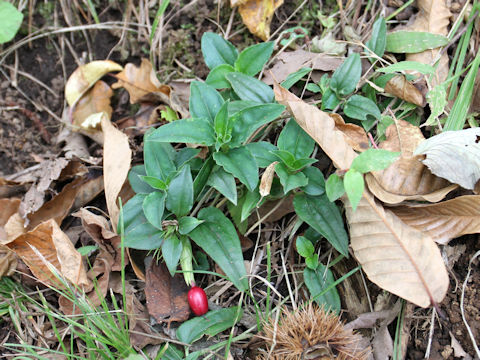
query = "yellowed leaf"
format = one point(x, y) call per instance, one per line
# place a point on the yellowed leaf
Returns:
point(140, 81)
point(85, 76)
point(116, 163)
point(48, 244)
point(433, 17)
point(395, 256)
point(95, 100)
point(446, 220)
point(407, 178)
point(257, 15)
point(401, 88)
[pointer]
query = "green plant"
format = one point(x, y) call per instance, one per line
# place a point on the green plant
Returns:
point(10, 21)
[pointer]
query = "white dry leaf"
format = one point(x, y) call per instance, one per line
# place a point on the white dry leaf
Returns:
point(453, 155)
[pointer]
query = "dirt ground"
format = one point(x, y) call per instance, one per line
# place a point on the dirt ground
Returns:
point(32, 80)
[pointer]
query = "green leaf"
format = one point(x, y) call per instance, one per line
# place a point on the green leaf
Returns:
point(374, 160)
point(221, 124)
point(250, 88)
point(422, 68)
point(239, 105)
point(240, 163)
point(154, 182)
point(290, 181)
point(136, 182)
point(304, 246)
point(285, 156)
point(262, 152)
point(139, 233)
point(153, 206)
point(205, 101)
point(180, 193)
point(413, 41)
point(317, 281)
point(194, 131)
point(312, 261)
point(345, 79)
point(158, 158)
point(202, 177)
point(171, 251)
point(334, 187)
point(172, 353)
point(313, 88)
point(359, 107)
point(224, 183)
point(216, 77)
point(378, 40)
point(354, 184)
point(251, 200)
point(247, 121)
point(299, 164)
point(187, 224)
point(324, 217)
point(211, 324)
point(217, 51)
point(10, 21)
point(184, 155)
point(294, 139)
point(316, 181)
point(218, 238)
point(236, 214)
point(330, 100)
point(251, 60)
point(85, 250)
point(296, 76)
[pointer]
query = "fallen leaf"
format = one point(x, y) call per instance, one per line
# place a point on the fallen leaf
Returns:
point(454, 155)
point(139, 81)
point(9, 188)
point(8, 261)
point(446, 220)
point(116, 164)
point(8, 207)
point(400, 87)
point(396, 257)
point(266, 180)
point(166, 296)
point(355, 135)
point(434, 17)
point(85, 76)
point(407, 178)
point(291, 61)
point(48, 240)
point(95, 100)
point(257, 15)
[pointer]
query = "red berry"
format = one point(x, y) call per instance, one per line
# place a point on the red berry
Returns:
point(197, 299)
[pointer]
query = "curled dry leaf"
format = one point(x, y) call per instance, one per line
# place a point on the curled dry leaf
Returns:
point(446, 220)
point(267, 178)
point(291, 61)
point(395, 256)
point(8, 207)
point(400, 87)
point(45, 246)
point(94, 101)
point(166, 296)
point(116, 164)
point(85, 76)
point(140, 81)
point(355, 135)
point(407, 178)
point(433, 17)
point(257, 15)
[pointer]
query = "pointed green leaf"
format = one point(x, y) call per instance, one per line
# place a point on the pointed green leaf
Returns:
point(202, 177)
point(205, 101)
point(218, 238)
point(294, 139)
point(240, 163)
point(317, 281)
point(180, 193)
point(187, 224)
point(262, 152)
point(374, 160)
point(136, 182)
point(224, 183)
point(171, 251)
point(290, 181)
point(250, 88)
point(153, 206)
point(10, 20)
point(316, 181)
point(324, 217)
point(304, 246)
point(154, 182)
point(158, 158)
point(334, 187)
point(194, 131)
point(345, 79)
point(217, 51)
point(413, 41)
point(216, 77)
point(251, 60)
point(354, 184)
point(378, 40)
point(361, 108)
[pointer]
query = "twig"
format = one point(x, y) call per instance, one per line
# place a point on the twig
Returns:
point(474, 343)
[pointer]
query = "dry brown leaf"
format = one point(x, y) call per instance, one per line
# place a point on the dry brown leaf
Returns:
point(166, 296)
point(116, 164)
point(9, 188)
point(407, 178)
point(355, 135)
point(55, 248)
point(8, 207)
point(400, 87)
point(266, 180)
point(257, 15)
point(140, 81)
point(96, 100)
point(291, 61)
point(8, 261)
point(433, 17)
point(85, 76)
point(446, 220)
point(395, 256)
